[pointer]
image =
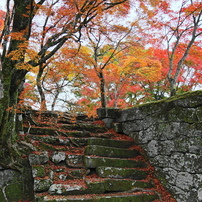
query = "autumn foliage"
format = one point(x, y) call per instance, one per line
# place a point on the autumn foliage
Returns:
point(89, 54)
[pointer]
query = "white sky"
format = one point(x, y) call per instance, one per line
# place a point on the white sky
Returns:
point(2, 4)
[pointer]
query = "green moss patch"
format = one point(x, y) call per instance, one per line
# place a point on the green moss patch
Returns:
point(120, 173)
point(110, 152)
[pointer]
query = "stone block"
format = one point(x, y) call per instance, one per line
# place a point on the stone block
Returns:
point(93, 162)
point(58, 157)
point(75, 161)
point(110, 151)
point(39, 158)
point(110, 142)
point(107, 112)
point(120, 173)
point(38, 171)
point(42, 184)
point(65, 189)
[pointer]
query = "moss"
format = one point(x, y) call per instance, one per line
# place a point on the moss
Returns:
point(96, 188)
point(93, 162)
point(120, 173)
point(44, 147)
point(191, 95)
point(110, 143)
point(14, 192)
point(110, 152)
point(38, 171)
point(2, 199)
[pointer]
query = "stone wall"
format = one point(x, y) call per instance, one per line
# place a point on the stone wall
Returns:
point(16, 186)
point(170, 131)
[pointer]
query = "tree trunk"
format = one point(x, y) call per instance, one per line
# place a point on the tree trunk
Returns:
point(40, 89)
point(172, 87)
point(8, 104)
point(10, 80)
point(102, 90)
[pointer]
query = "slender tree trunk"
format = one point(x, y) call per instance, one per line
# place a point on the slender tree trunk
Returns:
point(102, 90)
point(54, 100)
point(40, 89)
point(172, 87)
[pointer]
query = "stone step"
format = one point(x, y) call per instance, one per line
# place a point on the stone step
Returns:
point(70, 174)
point(130, 197)
point(59, 140)
point(117, 185)
point(121, 173)
point(110, 151)
point(94, 161)
point(40, 131)
point(97, 186)
point(59, 172)
point(56, 132)
point(83, 126)
point(110, 142)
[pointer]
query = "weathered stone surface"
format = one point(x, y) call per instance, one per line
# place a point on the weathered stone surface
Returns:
point(107, 112)
point(40, 131)
point(38, 159)
point(110, 142)
point(93, 162)
point(170, 131)
point(75, 161)
point(84, 126)
point(58, 157)
point(38, 171)
point(16, 186)
point(65, 189)
point(77, 134)
point(184, 180)
point(116, 185)
point(42, 184)
point(110, 152)
point(120, 173)
point(107, 198)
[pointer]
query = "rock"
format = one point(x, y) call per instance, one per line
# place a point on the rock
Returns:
point(65, 189)
point(38, 159)
point(120, 173)
point(110, 142)
point(58, 157)
point(184, 180)
point(38, 171)
point(75, 161)
point(110, 152)
point(93, 162)
point(42, 184)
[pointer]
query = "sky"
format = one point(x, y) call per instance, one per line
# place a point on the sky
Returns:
point(2, 4)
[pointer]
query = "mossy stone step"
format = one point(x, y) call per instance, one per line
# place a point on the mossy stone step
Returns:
point(40, 131)
point(121, 173)
point(97, 186)
point(57, 140)
point(67, 189)
point(110, 151)
point(55, 132)
point(70, 174)
point(75, 160)
point(132, 197)
point(110, 142)
point(87, 127)
point(93, 162)
point(116, 185)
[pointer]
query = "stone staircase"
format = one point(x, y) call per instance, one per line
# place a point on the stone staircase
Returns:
point(78, 159)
